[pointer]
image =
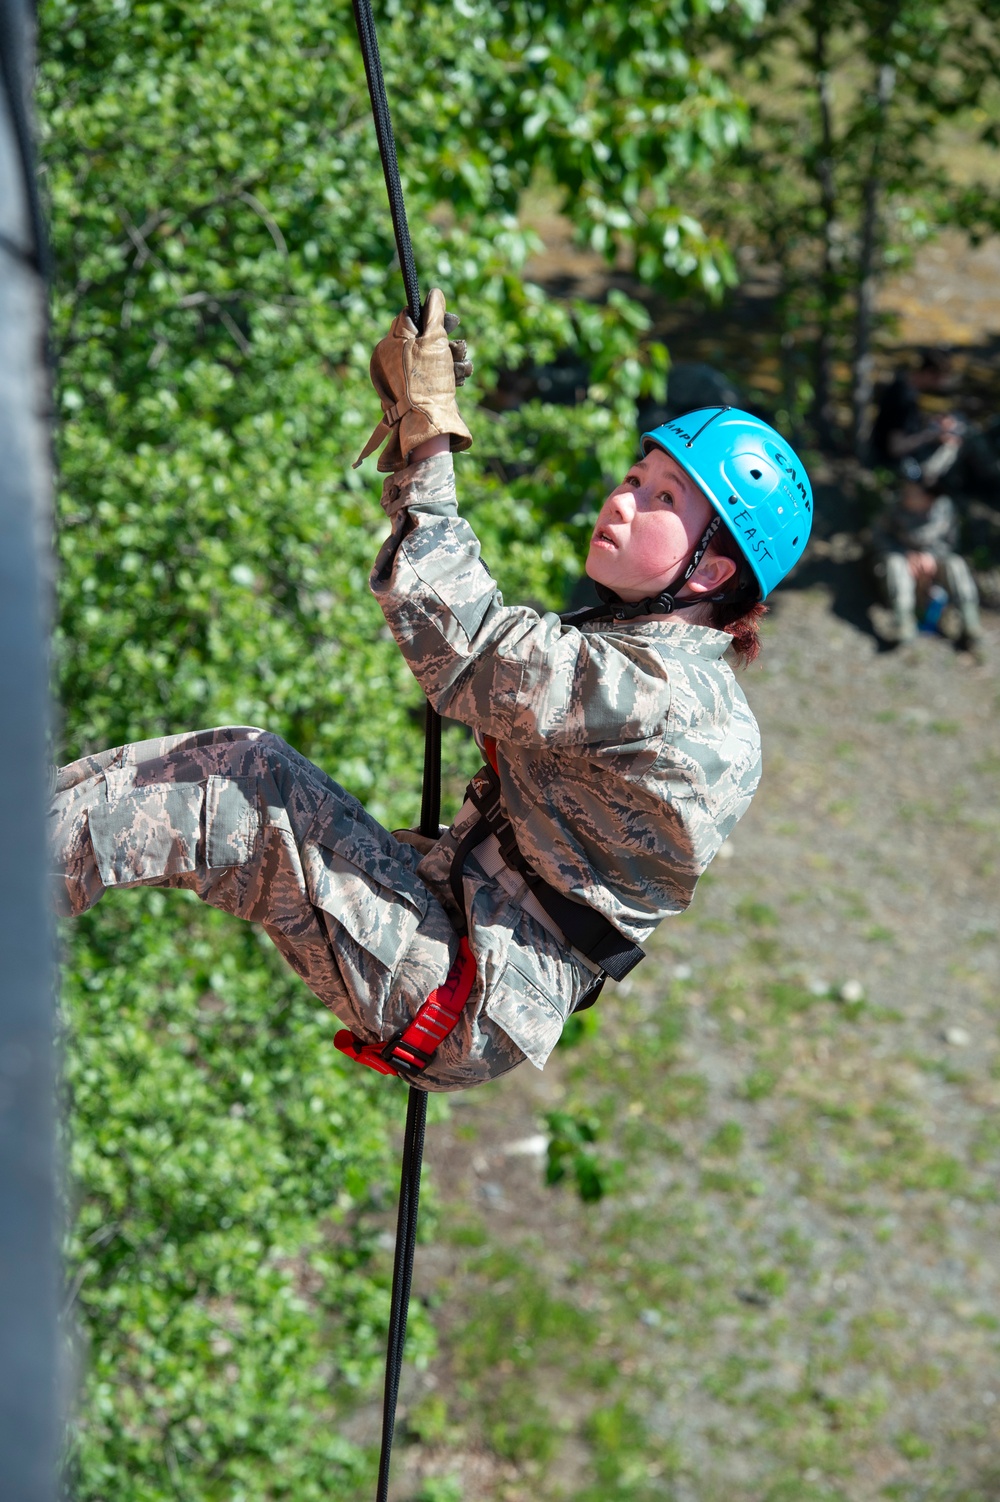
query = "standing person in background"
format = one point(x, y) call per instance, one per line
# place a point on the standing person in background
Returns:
point(901, 430)
point(915, 543)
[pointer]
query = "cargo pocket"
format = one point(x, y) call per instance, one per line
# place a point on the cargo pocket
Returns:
point(354, 878)
point(527, 1015)
point(232, 821)
point(147, 833)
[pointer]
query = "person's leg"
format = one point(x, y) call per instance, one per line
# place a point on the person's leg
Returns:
point(958, 580)
point(902, 594)
point(255, 829)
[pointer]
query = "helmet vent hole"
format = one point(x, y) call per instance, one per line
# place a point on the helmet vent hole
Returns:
point(755, 473)
point(795, 542)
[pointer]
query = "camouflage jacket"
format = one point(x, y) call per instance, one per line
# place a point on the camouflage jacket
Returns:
point(933, 531)
point(627, 752)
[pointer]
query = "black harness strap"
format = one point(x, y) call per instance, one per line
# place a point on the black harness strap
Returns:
point(586, 930)
point(430, 806)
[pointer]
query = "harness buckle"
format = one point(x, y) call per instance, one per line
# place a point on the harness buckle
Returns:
point(413, 1058)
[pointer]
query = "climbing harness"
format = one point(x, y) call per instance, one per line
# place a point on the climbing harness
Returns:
point(410, 1052)
point(605, 950)
point(430, 806)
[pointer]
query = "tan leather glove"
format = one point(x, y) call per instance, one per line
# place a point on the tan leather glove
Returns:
point(415, 376)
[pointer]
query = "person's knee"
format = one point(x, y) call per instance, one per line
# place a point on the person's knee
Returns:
point(958, 577)
point(898, 579)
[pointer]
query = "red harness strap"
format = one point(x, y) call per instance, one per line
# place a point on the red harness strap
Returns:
point(412, 1050)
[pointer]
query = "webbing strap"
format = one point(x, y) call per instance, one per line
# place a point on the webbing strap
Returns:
point(430, 805)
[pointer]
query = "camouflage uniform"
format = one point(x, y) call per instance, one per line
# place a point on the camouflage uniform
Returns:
point(626, 756)
point(900, 531)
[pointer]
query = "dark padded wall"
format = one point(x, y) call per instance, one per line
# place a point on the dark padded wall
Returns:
point(28, 1267)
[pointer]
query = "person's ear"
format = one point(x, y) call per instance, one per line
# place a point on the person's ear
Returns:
point(714, 571)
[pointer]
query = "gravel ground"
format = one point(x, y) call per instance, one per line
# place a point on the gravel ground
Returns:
point(792, 1287)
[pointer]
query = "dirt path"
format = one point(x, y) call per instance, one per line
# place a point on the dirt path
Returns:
point(795, 1290)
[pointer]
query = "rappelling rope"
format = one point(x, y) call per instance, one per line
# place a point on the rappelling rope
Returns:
point(365, 22)
point(430, 805)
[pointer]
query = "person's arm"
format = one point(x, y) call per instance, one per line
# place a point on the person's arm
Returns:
point(429, 450)
point(899, 444)
point(942, 459)
point(510, 673)
point(504, 670)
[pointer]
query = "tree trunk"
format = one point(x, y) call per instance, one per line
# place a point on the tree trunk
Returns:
point(823, 410)
point(867, 270)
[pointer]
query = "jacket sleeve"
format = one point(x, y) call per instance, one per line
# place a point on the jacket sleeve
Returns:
point(506, 671)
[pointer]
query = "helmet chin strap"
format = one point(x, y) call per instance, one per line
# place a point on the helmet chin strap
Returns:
point(666, 601)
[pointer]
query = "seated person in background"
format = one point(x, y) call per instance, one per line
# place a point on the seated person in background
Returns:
point(901, 429)
point(915, 543)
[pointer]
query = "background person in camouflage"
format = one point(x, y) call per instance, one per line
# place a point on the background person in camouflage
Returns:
point(915, 541)
point(625, 748)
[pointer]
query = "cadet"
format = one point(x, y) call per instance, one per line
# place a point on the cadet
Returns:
point(901, 428)
point(915, 548)
point(621, 750)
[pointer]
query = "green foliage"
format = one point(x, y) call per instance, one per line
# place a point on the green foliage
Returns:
point(223, 265)
point(622, 1451)
point(849, 166)
point(727, 1140)
point(440, 1489)
point(225, 1266)
point(569, 1156)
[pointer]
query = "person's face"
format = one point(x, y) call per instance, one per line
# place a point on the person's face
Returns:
point(648, 527)
point(930, 379)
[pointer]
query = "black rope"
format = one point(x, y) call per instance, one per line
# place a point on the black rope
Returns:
point(365, 22)
point(430, 804)
point(402, 1273)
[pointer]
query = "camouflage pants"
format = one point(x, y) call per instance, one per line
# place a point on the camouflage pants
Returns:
point(901, 589)
point(255, 829)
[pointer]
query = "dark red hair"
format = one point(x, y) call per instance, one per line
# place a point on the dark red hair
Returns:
point(741, 612)
point(743, 625)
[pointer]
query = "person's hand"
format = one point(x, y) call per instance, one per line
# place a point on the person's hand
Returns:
point(415, 376)
point(922, 566)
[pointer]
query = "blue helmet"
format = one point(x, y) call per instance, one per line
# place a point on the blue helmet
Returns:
point(752, 477)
